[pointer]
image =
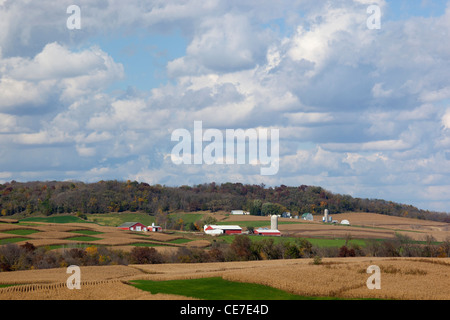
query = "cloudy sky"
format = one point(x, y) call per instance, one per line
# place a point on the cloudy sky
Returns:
point(360, 111)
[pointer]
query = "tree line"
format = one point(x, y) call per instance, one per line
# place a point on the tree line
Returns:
point(15, 257)
point(54, 197)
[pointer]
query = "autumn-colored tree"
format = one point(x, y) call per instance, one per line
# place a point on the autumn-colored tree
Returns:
point(145, 255)
point(242, 247)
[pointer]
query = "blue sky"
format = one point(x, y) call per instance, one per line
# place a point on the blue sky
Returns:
point(359, 111)
point(405, 9)
point(144, 56)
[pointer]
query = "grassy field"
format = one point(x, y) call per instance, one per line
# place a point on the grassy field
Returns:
point(319, 242)
point(12, 240)
point(115, 219)
point(21, 232)
point(55, 219)
point(216, 288)
point(83, 238)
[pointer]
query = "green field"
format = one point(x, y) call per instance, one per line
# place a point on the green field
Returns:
point(55, 219)
point(83, 238)
point(148, 244)
point(21, 232)
point(318, 242)
point(87, 232)
point(187, 217)
point(116, 219)
point(12, 240)
point(322, 242)
point(217, 288)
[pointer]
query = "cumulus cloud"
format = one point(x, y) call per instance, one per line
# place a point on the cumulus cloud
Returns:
point(360, 111)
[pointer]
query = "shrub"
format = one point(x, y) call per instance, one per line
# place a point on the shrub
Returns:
point(317, 260)
point(145, 255)
point(29, 247)
point(267, 250)
point(11, 256)
point(192, 255)
point(241, 247)
point(346, 252)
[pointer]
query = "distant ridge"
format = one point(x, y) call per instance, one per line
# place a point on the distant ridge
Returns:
point(53, 197)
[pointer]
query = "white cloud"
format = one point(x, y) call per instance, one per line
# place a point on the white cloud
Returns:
point(56, 62)
point(16, 93)
point(446, 120)
point(359, 111)
point(55, 72)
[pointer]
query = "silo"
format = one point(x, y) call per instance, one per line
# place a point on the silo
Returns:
point(326, 215)
point(274, 222)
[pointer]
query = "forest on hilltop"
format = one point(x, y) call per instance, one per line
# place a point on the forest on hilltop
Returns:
point(53, 197)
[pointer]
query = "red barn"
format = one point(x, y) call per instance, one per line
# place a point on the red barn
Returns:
point(133, 226)
point(267, 232)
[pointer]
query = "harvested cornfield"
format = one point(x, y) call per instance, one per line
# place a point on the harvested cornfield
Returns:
point(401, 278)
point(90, 290)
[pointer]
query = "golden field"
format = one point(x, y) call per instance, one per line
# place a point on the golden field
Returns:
point(401, 278)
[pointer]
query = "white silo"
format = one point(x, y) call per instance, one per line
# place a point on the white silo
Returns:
point(325, 215)
point(274, 222)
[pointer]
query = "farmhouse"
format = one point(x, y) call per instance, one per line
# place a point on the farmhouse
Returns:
point(216, 230)
point(307, 216)
point(286, 215)
point(133, 226)
point(267, 232)
point(154, 228)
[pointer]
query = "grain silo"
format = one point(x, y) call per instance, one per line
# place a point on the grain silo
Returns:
point(274, 222)
point(325, 215)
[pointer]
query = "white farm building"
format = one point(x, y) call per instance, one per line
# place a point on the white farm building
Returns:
point(217, 230)
point(239, 212)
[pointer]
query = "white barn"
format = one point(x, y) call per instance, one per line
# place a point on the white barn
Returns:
point(239, 212)
point(225, 229)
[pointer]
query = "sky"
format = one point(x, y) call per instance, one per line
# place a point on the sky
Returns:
point(360, 110)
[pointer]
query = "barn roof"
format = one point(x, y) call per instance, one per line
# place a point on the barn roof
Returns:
point(128, 224)
point(225, 227)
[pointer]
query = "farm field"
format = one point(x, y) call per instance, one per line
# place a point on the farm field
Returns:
point(345, 278)
point(66, 231)
point(362, 226)
point(70, 234)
